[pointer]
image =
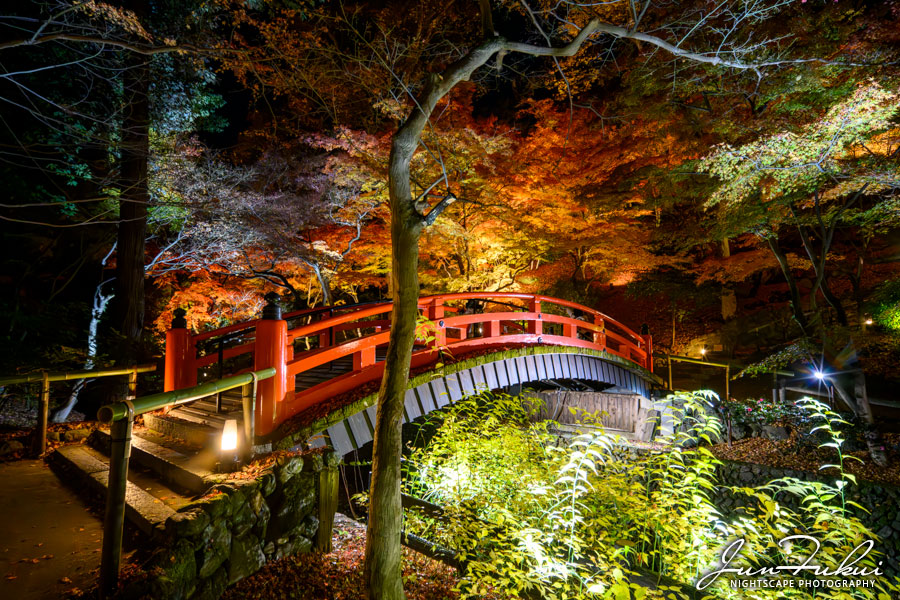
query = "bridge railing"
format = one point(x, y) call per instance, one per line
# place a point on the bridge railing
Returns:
point(295, 343)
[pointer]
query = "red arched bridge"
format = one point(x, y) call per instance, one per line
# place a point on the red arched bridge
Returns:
point(326, 353)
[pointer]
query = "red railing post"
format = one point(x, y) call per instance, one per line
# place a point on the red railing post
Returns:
point(493, 328)
point(436, 316)
point(648, 346)
point(180, 371)
point(364, 358)
point(600, 336)
point(535, 327)
point(271, 350)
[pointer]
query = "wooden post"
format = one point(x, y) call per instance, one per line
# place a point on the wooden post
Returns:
point(132, 383)
point(328, 501)
point(40, 442)
point(180, 371)
point(727, 382)
point(669, 361)
point(271, 351)
point(248, 403)
point(114, 517)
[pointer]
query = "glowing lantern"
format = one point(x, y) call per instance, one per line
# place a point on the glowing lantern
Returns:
point(230, 436)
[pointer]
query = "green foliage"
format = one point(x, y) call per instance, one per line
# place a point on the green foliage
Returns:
point(886, 301)
point(533, 516)
point(802, 349)
point(761, 412)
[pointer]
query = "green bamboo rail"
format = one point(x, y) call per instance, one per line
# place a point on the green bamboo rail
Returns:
point(46, 378)
point(121, 416)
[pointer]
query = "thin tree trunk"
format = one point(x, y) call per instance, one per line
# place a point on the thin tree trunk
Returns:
point(98, 308)
point(796, 306)
point(325, 284)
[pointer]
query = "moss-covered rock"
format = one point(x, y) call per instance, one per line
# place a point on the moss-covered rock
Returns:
point(216, 505)
point(214, 549)
point(179, 576)
point(243, 519)
point(267, 482)
point(286, 467)
point(187, 524)
point(246, 558)
point(212, 587)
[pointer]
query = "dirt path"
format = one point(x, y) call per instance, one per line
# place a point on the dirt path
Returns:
point(49, 542)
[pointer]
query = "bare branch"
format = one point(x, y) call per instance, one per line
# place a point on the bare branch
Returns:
point(440, 207)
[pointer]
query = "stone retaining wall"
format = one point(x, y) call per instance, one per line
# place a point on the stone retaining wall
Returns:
point(880, 500)
point(240, 525)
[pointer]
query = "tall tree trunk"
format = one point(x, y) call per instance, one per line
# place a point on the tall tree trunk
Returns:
point(382, 568)
point(385, 511)
point(133, 203)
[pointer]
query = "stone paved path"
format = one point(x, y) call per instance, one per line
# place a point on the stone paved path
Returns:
point(49, 542)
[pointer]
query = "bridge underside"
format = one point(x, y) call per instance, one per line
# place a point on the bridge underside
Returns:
point(357, 430)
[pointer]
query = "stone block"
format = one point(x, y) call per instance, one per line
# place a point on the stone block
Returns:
point(313, 462)
point(774, 432)
point(286, 467)
point(187, 524)
point(179, 569)
point(245, 559)
point(267, 482)
point(215, 548)
point(11, 446)
point(212, 587)
point(75, 435)
point(243, 519)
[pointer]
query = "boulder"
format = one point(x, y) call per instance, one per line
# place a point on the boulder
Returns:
point(775, 432)
point(11, 446)
point(75, 435)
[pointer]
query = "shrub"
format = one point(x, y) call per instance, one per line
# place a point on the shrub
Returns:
point(539, 517)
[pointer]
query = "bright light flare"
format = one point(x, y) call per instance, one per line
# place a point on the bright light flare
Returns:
point(869, 321)
point(230, 435)
point(819, 375)
point(702, 351)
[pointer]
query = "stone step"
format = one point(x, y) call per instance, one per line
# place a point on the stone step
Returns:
point(89, 469)
point(194, 430)
point(173, 467)
point(199, 414)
